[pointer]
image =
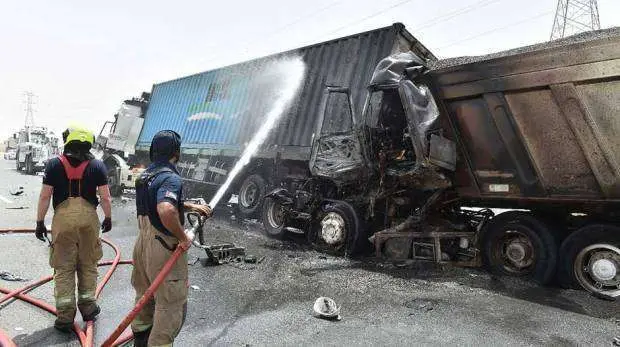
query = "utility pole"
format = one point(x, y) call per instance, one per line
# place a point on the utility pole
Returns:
point(573, 17)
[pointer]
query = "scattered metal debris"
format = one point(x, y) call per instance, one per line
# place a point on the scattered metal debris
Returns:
point(194, 287)
point(326, 308)
point(222, 254)
point(18, 208)
point(7, 276)
point(616, 341)
point(250, 259)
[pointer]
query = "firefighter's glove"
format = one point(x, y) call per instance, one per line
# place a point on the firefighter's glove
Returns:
point(41, 231)
point(106, 225)
point(204, 210)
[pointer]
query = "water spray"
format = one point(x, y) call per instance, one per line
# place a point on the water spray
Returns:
point(292, 72)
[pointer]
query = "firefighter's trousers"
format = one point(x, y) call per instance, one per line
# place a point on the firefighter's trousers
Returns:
point(165, 314)
point(75, 248)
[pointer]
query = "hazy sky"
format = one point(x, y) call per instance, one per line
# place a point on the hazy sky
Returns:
point(82, 58)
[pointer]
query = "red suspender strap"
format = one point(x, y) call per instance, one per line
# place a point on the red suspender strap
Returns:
point(74, 173)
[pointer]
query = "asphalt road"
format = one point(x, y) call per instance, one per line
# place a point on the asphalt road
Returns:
point(271, 303)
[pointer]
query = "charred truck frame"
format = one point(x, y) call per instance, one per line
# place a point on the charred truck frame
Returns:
point(395, 150)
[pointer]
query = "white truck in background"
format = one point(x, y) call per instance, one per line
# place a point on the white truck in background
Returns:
point(115, 144)
point(35, 146)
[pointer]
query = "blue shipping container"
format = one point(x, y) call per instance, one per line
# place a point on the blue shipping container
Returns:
point(220, 110)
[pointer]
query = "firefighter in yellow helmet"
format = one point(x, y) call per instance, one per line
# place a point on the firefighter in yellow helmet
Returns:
point(72, 181)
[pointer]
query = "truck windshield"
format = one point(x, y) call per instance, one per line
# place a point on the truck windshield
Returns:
point(37, 138)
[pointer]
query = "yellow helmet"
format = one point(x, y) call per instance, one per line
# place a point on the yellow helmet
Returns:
point(78, 133)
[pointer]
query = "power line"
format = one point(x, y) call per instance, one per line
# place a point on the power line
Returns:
point(279, 29)
point(460, 11)
point(367, 17)
point(495, 30)
point(303, 18)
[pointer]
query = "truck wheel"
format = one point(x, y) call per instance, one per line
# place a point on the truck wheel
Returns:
point(116, 189)
point(274, 218)
point(590, 259)
point(29, 166)
point(337, 229)
point(251, 196)
point(520, 245)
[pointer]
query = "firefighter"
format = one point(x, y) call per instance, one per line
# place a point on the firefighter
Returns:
point(73, 180)
point(160, 210)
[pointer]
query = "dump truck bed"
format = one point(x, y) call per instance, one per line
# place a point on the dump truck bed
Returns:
point(539, 124)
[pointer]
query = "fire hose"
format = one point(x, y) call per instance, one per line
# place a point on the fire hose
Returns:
point(86, 337)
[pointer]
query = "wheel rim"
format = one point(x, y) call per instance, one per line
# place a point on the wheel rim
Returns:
point(333, 229)
point(248, 194)
point(597, 269)
point(275, 215)
point(516, 253)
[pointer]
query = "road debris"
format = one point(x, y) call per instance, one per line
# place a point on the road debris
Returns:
point(7, 276)
point(250, 259)
point(194, 287)
point(326, 308)
point(222, 254)
point(616, 341)
point(17, 208)
point(421, 305)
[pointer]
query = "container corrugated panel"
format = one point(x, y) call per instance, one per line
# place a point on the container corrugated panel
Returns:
point(222, 109)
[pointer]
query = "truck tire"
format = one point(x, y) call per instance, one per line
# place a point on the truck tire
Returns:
point(590, 259)
point(251, 196)
point(519, 245)
point(116, 189)
point(114, 179)
point(29, 166)
point(274, 219)
point(337, 229)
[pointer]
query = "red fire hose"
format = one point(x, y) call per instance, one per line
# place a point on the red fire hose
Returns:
point(5, 341)
point(110, 341)
point(26, 288)
point(86, 336)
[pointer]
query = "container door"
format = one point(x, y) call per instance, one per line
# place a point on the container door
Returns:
point(336, 149)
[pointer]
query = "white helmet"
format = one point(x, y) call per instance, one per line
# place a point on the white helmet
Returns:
point(325, 307)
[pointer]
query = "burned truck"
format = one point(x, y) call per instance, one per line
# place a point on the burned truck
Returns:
point(116, 144)
point(386, 148)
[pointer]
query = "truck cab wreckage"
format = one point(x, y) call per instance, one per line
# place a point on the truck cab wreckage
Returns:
point(430, 143)
point(390, 169)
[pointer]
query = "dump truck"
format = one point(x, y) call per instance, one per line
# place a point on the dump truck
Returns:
point(387, 148)
point(116, 143)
